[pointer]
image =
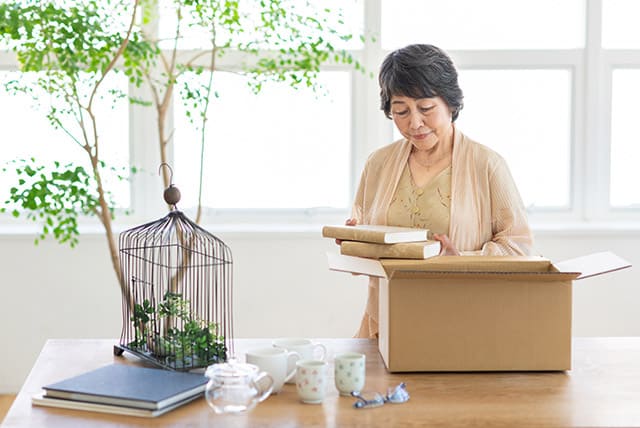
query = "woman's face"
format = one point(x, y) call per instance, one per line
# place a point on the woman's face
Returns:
point(423, 121)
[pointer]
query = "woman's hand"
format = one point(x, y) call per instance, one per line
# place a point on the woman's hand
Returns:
point(446, 246)
point(349, 222)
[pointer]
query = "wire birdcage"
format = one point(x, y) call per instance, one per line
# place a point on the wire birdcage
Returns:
point(177, 302)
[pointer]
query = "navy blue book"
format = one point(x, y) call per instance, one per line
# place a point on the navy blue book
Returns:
point(130, 386)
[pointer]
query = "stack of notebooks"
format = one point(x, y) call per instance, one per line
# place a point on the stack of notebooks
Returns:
point(380, 242)
point(125, 390)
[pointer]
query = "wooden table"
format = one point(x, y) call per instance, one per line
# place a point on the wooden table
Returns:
point(602, 389)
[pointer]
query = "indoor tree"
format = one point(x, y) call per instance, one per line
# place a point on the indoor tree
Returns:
point(72, 46)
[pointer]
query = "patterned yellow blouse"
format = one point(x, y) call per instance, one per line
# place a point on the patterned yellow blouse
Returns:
point(426, 207)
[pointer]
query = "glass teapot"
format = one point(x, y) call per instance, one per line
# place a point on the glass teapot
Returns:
point(235, 387)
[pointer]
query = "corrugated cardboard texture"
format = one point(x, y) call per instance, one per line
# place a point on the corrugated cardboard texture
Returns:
point(475, 324)
point(470, 264)
point(476, 313)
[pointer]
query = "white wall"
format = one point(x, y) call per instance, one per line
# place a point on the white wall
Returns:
point(281, 283)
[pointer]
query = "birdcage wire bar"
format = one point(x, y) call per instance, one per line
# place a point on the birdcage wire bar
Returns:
point(177, 299)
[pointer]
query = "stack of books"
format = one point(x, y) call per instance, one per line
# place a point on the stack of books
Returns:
point(125, 390)
point(379, 242)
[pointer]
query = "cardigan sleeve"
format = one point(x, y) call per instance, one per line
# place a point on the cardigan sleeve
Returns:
point(510, 230)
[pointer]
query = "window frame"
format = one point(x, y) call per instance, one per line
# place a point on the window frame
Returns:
point(591, 67)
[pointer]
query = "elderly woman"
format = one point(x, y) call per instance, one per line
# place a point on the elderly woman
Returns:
point(436, 177)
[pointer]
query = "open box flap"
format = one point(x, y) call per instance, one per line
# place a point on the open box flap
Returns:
point(353, 264)
point(593, 264)
point(577, 268)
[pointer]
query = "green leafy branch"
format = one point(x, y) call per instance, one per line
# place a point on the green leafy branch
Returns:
point(53, 197)
point(71, 47)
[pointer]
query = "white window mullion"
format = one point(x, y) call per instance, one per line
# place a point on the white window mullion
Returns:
point(579, 135)
point(146, 186)
point(376, 130)
point(593, 151)
point(8, 60)
point(623, 138)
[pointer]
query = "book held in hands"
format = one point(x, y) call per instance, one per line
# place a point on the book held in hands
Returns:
point(375, 233)
point(402, 250)
point(121, 388)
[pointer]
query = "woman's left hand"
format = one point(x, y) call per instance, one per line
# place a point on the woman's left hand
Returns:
point(446, 246)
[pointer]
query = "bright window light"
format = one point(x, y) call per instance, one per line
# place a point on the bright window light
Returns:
point(27, 133)
point(525, 115)
point(487, 24)
point(351, 22)
point(504, 110)
point(625, 144)
point(620, 28)
point(282, 149)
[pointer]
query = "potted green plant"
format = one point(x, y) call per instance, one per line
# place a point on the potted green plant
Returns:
point(186, 339)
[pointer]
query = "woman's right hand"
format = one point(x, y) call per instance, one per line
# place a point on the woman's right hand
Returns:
point(349, 222)
point(447, 247)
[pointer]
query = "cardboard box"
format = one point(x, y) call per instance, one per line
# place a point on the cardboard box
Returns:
point(476, 313)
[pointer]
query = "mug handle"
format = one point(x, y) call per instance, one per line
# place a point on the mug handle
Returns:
point(323, 352)
point(256, 381)
point(292, 358)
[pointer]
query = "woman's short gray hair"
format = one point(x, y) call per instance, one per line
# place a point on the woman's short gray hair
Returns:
point(419, 71)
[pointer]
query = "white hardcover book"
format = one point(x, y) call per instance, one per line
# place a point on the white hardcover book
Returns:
point(375, 233)
point(402, 250)
point(42, 400)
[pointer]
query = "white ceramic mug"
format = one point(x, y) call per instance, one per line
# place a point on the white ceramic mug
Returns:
point(311, 380)
point(349, 371)
point(305, 347)
point(279, 363)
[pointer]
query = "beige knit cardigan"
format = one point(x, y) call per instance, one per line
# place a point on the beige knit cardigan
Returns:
point(487, 214)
